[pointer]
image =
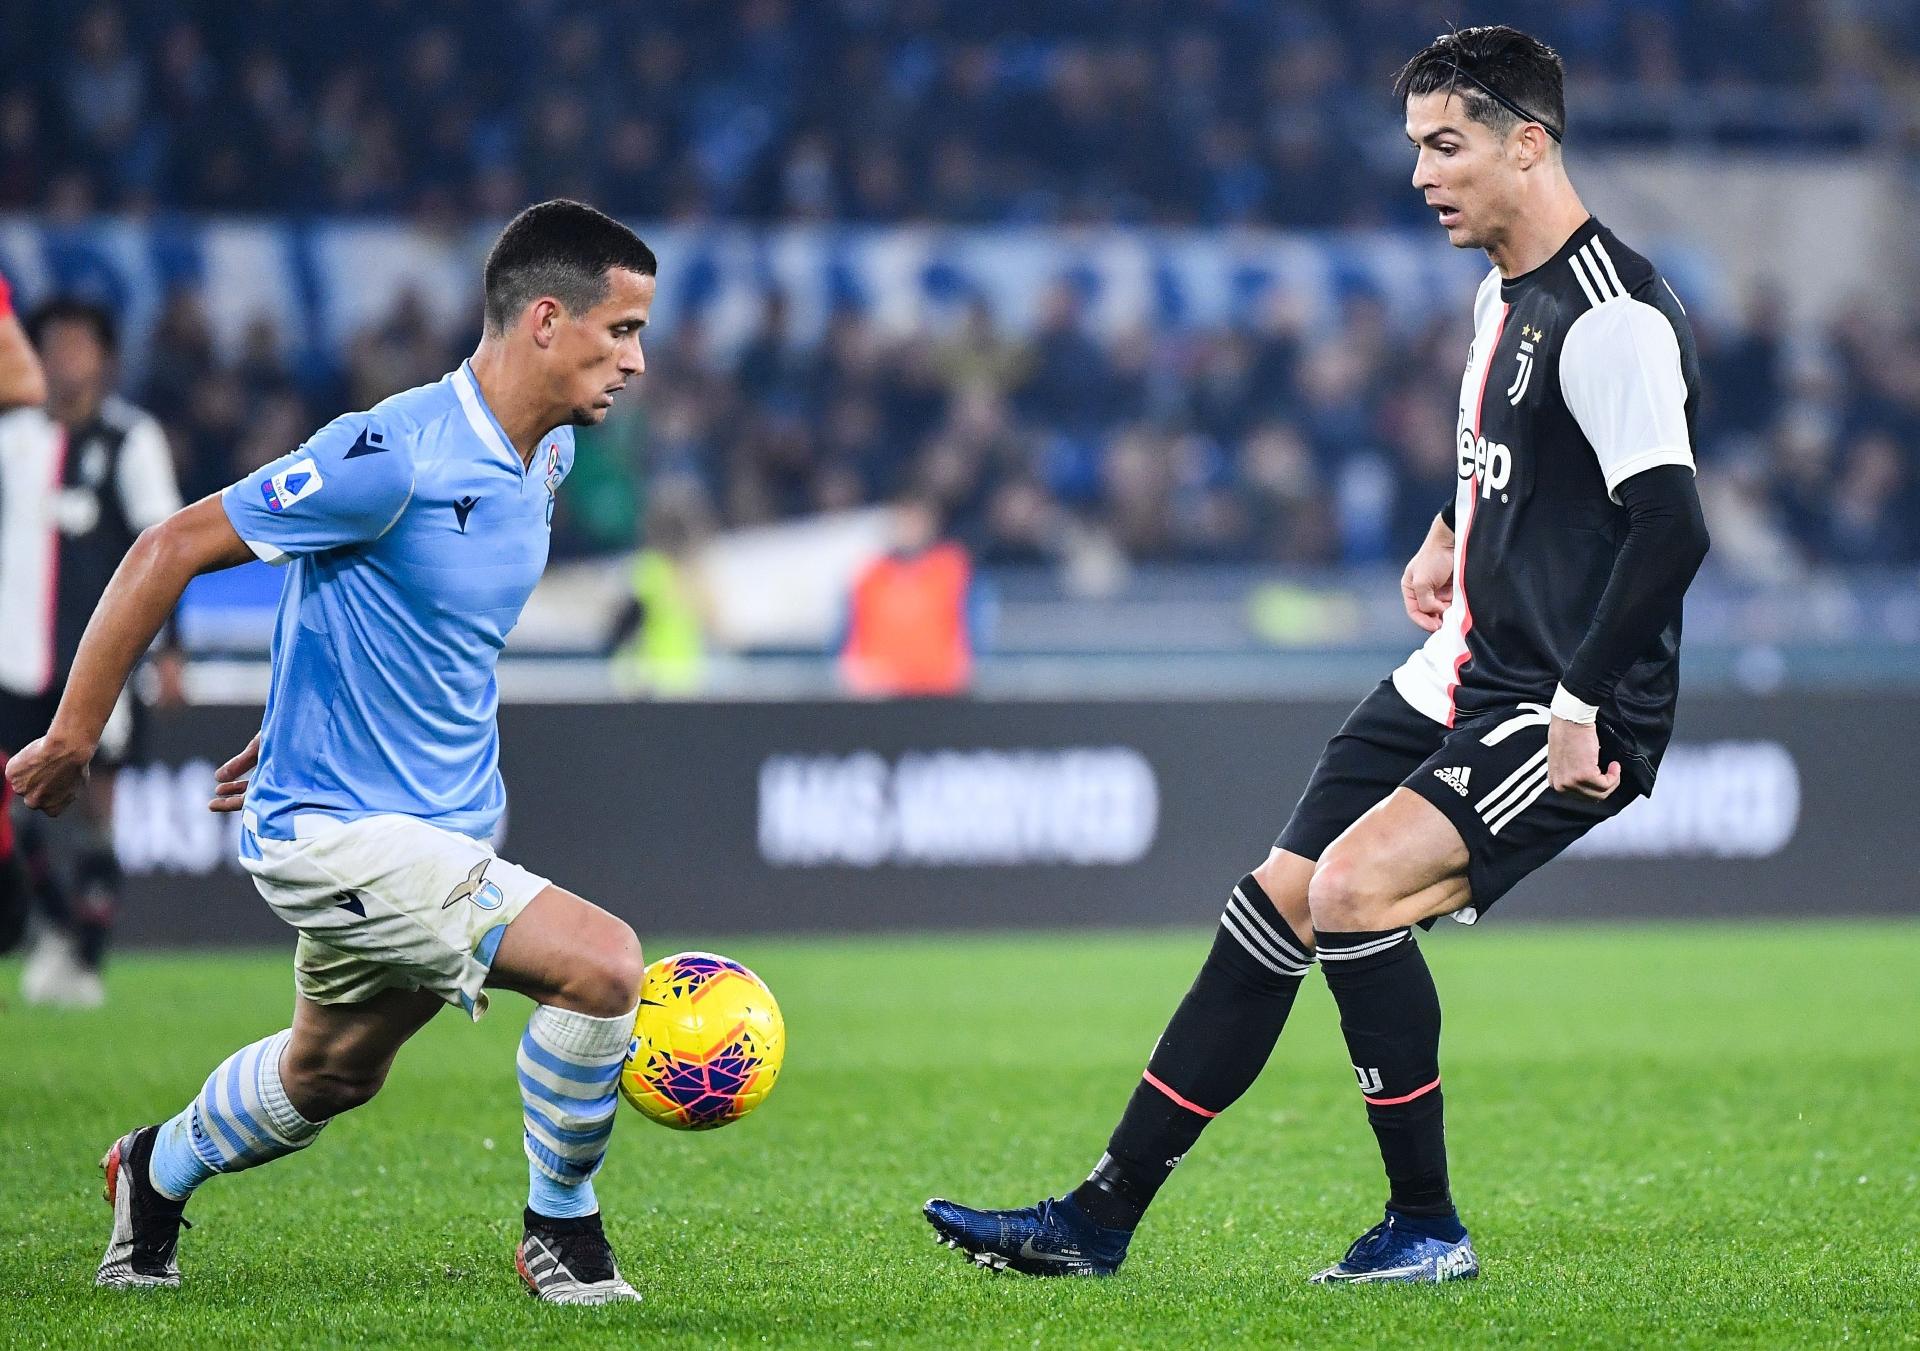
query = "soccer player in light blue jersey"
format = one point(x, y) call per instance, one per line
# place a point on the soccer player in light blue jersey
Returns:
point(411, 536)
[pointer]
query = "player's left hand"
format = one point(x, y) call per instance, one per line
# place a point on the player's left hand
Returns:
point(1573, 761)
point(230, 780)
point(50, 772)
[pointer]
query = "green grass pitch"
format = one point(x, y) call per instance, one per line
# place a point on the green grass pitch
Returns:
point(1661, 1136)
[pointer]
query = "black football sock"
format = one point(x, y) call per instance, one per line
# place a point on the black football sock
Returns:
point(16, 902)
point(96, 885)
point(1390, 1014)
point(1215, 1046)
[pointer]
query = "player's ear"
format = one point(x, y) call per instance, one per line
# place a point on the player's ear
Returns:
point(544, 319)
point(1530, 144)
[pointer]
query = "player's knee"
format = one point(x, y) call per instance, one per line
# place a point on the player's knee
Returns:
point(1284, 877)
point(1344, 898)
point(609, 980)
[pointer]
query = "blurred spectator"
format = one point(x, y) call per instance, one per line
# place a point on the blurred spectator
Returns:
point(913, 616)
point(846, 109)
point(1263, 442)
point(660, 635)
point(1250, 445)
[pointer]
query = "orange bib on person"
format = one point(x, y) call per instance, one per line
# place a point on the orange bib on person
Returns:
point(908, 630)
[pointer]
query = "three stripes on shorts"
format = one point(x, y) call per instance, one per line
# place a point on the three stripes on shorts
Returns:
point(1522, 788)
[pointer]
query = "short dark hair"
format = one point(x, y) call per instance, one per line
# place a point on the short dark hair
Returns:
point(1500, 75)
point(561, 249)
point(75, 310)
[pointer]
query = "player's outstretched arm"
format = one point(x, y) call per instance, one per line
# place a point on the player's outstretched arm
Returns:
point(144, 591)
point(1426, 587)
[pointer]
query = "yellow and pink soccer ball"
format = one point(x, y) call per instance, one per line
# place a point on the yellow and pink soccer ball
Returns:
point(707, 1044)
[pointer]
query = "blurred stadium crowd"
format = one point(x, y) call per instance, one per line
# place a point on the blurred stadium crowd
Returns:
point(1267, 443)
point(1261, 444)
point(1201, 111)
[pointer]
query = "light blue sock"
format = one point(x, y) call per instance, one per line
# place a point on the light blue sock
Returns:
point(557, 1199)
point(175, 1168)
point(241, 1118)
point(569, 1065)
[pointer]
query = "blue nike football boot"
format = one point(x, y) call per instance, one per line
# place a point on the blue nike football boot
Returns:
point(1054, 1238)
point(1400, 1248)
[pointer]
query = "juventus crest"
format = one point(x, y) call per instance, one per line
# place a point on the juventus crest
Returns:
point(1528, 337)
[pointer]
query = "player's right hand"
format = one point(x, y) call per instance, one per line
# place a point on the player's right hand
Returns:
point(230, 788)
point(50, 772)
point(1426, 587)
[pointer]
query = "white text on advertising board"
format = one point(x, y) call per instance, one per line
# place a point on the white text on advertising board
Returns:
point(952, 808)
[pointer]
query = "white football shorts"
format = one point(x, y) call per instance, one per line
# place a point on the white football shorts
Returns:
point(388, 902)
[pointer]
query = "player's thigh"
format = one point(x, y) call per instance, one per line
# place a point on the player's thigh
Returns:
point(1490, 781)
point(390, 902)
point(1382, 741)
point(566, 951)
point(1402, 862)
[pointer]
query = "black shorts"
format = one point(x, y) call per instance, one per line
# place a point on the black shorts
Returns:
point(1487, 775)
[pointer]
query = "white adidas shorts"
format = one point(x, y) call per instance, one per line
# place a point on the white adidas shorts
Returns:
point(389, 902)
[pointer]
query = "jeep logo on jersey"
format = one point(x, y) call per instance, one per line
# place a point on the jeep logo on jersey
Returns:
point(299, 479)
point(1487, 462)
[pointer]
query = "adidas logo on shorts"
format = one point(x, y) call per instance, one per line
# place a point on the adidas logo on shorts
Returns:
point(1455, 778)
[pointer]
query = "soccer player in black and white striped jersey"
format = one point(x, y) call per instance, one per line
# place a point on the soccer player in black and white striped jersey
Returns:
point(79, 480)
point(1539, 706)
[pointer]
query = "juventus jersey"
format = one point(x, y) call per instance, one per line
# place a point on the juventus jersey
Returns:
point(71, 504)
point(1582, 373)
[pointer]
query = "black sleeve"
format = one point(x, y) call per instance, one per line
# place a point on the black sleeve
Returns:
point(1446, 513)
point(1665, 542)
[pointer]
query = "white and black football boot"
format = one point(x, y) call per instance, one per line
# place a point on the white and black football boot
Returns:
point(570, 1262)
point(146, 1224)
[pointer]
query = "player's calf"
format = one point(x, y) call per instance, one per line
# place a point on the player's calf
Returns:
point(1213, 1048)
point(241, 1118)
point(325, 1085)
point(569, 1069)
point(584, 968)
point(1400, 863)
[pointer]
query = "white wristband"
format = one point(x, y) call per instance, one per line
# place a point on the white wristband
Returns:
point(1570, 709)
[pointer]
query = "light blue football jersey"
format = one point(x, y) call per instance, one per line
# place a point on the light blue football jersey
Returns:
point(412, 536)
